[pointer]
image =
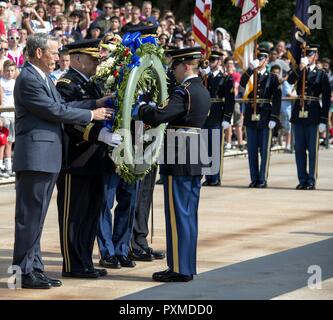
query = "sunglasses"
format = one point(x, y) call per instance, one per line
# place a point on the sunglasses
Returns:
point(3, 49)
point(108, 8)
point(14, 38)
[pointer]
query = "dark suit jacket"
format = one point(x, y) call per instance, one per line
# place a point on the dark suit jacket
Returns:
point(40, 112)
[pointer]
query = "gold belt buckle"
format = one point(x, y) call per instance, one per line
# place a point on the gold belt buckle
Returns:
point(255, 117)
point(303, 114)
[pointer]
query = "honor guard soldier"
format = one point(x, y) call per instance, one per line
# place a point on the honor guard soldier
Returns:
point(185, 112)
point(80, 184)
point(308, 115)
point(262, 112)
point(220, 87)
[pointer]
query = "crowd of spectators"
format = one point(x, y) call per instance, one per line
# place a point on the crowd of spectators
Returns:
point(80, 19)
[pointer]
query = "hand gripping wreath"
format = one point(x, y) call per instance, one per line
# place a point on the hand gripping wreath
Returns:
point(138, 72)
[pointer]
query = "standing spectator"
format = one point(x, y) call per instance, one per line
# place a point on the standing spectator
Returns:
point(189, 40)
point(105, 19)
point(3, 54)
point(39, 22)
point(281, 48)
point(115, 25)
point(23, 37)
point(147, 12)
point(237, 114)
point(156, 14)
point(95, 31)
point(135, 22)
point(128, 13)
point(15, 52)
point(2, 29)
point(7, 83)
point(222, 38)
point(64, 62)
point(7, 16)
point(95, 12)
point(163, 40)
point(3, 143)
point(54, 12)
point(62, 23)
point(179, 40)
point(42, 3)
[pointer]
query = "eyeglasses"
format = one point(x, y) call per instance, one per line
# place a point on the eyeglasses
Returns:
point(14, 38)
point(3, 49)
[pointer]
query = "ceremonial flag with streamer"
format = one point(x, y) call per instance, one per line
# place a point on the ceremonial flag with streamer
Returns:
point(249, 31)
point(202, 32)
point(300, 31)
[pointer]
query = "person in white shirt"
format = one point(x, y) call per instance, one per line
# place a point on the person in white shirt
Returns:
point(7, 83)
point(64, 62)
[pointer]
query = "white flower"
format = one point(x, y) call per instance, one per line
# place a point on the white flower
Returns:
point(112, 47)
point(110, 81)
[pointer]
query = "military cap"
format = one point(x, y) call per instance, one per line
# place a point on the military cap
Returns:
point(86, 46)
point(180, 55)
point(146, 29)
point(216, 54)
point(312, 49)
point(263, 53)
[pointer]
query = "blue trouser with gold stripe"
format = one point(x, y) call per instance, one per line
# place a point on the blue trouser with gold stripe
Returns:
point(181, 200)
point(116, 239)
point(259, 141)
point(306, 139)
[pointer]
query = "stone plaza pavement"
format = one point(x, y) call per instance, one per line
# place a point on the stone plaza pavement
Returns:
point(253, 243)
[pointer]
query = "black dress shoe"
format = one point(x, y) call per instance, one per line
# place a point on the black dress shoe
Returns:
point(158, 255)
point(140, 255)
point(101, 272)
point(205, 183)
point(170, 276)
point(300, 186)
point(310, 186)
point(261, 185)
point(110, 262)
point(253, 184)
point(53, 282)
point(34, 281)
point(85, 274)
point(126, 262)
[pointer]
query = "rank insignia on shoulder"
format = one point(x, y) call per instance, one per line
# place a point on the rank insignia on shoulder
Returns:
point(180, 90)
point(163, 104)
point(64, 80)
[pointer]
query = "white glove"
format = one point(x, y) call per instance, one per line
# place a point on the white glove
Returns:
point(322, 127)
point(304, 61)
point(225, 125)
point(255, 64)
point(204, 72)
point(109, 138)
point(271, 124)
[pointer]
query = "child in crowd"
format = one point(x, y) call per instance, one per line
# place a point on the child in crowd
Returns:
point(7, 83)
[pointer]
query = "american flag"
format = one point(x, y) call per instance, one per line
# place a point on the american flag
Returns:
point(202, 24)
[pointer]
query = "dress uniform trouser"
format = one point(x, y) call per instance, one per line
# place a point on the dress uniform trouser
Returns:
point(116, 240)
point(306, 139)
point(33, 194)
point(80, 198)
point(181, 194)
point(214, 150)
point(259, 140)
point(142, 210)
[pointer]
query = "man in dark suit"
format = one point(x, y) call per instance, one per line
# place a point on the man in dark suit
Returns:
point(40, 112)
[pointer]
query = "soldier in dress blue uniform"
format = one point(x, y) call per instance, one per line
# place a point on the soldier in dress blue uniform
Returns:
point(260, 121)
point(310, 119)
point(219, 86)
point(185, 112)
point(80, 184)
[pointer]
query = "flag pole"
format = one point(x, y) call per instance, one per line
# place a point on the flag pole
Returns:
point(255, 77)
point(303, 81)
point(207, 54)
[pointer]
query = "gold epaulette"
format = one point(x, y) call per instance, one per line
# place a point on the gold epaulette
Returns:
point(64, 80)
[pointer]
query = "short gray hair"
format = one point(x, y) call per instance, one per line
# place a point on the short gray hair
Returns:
point(38, 40)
